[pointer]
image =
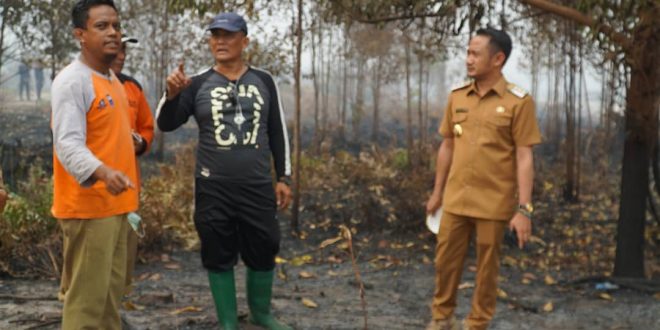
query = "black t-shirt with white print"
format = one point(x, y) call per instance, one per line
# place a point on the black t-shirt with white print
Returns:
point(241, 124)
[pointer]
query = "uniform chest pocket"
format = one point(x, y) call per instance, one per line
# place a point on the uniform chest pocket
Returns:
point(497, 129)
point(501, 120)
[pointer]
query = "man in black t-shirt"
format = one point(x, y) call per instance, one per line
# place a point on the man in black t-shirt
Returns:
point(241, 126)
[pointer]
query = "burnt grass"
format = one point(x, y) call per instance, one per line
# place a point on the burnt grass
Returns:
point(316, 285)
point(172, 292)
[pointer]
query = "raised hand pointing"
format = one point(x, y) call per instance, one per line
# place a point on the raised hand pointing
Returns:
point(177, 81)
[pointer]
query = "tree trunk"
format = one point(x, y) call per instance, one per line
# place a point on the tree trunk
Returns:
point(640, 140)
point(569, 106)
point(614, 76)
point(376, 96)
point(535, 65)
point(162, 72)
point(641, 132)
point(427, 82)
point(629, 260)
point(556, 122)
point(326, 93)
point(578, 130)
point(53, 51)
point(296, 129)
point(5, 13)
point(420, 84)
point(358, 109)
point(344, 92)
point(315, 83)
point(409, 128)
point(420, 115)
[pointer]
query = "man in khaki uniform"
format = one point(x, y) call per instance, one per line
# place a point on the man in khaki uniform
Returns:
point(489, 128)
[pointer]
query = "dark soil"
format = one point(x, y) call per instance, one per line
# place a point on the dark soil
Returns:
point(397, 274)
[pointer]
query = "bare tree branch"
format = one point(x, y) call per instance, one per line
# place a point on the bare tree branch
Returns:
point(580, 18)
point(359, 17)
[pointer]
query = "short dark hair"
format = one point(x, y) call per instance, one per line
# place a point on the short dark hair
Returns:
point(499, 41)
point(80, 11)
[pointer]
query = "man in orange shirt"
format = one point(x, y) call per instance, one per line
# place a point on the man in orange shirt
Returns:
point(93, 171)
point(142, 125)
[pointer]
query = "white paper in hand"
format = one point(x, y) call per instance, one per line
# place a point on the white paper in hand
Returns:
point(433, 221)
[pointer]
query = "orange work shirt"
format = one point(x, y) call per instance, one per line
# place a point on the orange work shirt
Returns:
point(91, 127)
point(486, 130)
point(139, 112)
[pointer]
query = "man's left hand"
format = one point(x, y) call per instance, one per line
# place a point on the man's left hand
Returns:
point(283, 194)
point(523, 227)
point(138, 144)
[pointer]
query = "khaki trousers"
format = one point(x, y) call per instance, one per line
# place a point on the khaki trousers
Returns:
point(131, 257)
point(93, 274)
point(453, 241)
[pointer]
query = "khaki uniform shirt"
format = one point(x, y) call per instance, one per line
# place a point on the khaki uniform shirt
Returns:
point(482, 178)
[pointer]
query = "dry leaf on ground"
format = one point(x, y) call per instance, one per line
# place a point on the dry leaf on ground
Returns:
point(329, 242)
point(501, 293)
point(309, 303)
point(173, 266)
point(279, 260)
point(187, 309)
point(548, 307)
point(549, 280)
point(305, 275)
point(301, 260)
point(130, 306)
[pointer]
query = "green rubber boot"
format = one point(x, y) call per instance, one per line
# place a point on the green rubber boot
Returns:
point(223, 289)
point(259, 293)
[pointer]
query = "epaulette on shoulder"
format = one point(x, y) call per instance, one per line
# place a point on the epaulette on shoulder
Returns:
point(516, 90)
point(461, 85)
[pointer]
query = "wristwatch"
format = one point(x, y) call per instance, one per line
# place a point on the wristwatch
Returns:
point(526, 210)
point(286, 180)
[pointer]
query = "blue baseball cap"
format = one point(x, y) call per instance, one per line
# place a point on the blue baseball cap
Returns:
point(229, 22)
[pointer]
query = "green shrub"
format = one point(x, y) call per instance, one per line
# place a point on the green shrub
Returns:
point(29, 238)
point(166, 205)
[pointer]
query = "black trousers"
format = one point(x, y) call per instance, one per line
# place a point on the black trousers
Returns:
point(236, 218)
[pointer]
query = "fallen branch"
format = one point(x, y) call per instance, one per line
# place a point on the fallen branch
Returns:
point(54, 262)
point(44, 324)
point(346, 233)
point(519, 305)
point(25, 298)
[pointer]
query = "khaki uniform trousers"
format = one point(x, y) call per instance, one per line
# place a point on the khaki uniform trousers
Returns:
point(453, 240)
point(93, 274)
point(131, 257)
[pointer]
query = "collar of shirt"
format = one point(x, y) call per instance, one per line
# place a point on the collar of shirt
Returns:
point(499, 88)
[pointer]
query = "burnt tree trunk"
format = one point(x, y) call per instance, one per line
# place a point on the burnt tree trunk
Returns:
point(298, 38)
point(640, 139)
point(315, 82)
point(409, 124)
point(376, 84)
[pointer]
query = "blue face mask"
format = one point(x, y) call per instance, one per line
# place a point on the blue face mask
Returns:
point(135, 221)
